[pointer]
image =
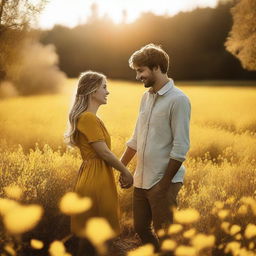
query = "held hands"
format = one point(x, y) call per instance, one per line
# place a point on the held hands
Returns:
point(126, 179)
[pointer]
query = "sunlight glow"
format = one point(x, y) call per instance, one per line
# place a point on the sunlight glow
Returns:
point(71, 13)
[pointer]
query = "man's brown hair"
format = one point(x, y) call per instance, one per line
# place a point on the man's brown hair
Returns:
point(150, 55)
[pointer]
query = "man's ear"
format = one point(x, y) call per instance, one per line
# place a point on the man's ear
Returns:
point(156, 68)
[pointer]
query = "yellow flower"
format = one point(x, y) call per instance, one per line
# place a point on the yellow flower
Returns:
point(189, 233)
point(223, 214)
point(250, 231)
point(175, 228)
point(234, 229)
point(185, 251)
point(161, 232)
point(225, 226)
point(230, 200)
point(145, 250)
point(201, 241)
point(251, 245)
point(233, 247)
point(186, 216)
point(98, 230)
point(238, 237)
point(250, 201)
point(22, 218)
point(8, 248)
point(57, 248)
point(7, 205)
point(71, 203)
point(36, 244)
point(168, 245)
point(243, 209)
point(13, 191)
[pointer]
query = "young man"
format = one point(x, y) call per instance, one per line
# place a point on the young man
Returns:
point(161, 141)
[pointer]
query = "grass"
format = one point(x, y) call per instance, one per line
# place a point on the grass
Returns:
point(220, 165)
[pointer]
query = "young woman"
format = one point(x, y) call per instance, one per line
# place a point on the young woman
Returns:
point(89, 134)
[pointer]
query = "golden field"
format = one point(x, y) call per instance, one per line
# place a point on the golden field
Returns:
point(221, 173)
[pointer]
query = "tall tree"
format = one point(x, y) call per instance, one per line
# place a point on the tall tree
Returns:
point(242, 37)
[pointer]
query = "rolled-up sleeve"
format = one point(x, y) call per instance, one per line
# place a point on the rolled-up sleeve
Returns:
point(132, 142)
point(180, 119)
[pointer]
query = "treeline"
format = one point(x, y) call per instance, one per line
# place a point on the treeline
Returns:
point(194, 40)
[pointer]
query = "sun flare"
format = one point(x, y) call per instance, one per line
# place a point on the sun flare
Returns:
point(77, 12)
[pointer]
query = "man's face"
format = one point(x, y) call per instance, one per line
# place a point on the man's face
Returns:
point(145, 75)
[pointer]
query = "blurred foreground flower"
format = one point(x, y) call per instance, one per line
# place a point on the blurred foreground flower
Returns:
point(234, 230)
point(189, 233)
point(13, 191)
point(223, 214)
point(98, 231)
point(9, 249)
point(201, 241)
point(251, 202)
point(19, 218)
point(57, 248)
point(161, 232)
point(175, 228)
point(71, 203)
point(7, 205)
point(185, 251)
point(36, 244)
point(243, 209)
point(250, 231)
point(22, 218)
point(225, 226)
point(168, 245)
point(145, 250)
point(186, 216)
point(233, 247)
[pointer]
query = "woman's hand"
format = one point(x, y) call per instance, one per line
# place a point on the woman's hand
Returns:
point(126, 179)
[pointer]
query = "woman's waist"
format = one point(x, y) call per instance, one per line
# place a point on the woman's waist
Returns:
point(90, 157)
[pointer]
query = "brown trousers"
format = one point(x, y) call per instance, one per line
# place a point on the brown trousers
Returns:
point(150, 207)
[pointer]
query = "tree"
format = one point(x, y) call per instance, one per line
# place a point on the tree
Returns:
point(242, 37)
point(17, 14)
point(24, 62)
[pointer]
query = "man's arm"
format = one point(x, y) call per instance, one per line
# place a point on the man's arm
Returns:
point(180, 117)
point(172, 168)
point(127, 156)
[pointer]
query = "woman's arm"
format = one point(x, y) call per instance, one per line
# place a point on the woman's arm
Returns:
point(105, 153)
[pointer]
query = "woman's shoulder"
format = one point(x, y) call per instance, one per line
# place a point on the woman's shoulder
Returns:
point(88, 117)
point(87, 114)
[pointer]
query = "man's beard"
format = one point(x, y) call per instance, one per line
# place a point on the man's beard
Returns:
point(149, 82)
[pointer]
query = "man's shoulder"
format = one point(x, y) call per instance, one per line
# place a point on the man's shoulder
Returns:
point(176, 94)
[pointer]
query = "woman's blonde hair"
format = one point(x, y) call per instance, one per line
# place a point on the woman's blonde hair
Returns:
point(88, 83)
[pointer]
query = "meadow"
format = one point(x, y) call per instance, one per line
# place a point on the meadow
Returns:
point(218, 198)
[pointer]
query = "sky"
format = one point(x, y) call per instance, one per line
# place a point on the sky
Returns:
point(73, 12)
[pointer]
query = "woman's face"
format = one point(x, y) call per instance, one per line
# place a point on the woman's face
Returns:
point(100, 95)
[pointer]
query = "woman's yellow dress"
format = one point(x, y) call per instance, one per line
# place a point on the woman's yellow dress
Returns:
point(95, 178)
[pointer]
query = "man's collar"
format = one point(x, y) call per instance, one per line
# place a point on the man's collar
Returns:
point(168, 86)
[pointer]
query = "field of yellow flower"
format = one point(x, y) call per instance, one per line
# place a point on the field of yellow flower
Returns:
point(217, 204)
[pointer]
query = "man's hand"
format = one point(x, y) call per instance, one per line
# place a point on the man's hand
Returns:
point(163, 185)
point(160, 187)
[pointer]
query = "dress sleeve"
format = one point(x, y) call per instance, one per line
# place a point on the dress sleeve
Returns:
point(90, 126)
